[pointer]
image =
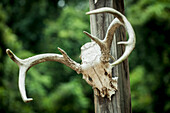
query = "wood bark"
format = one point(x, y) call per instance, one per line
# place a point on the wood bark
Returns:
point(121, 101)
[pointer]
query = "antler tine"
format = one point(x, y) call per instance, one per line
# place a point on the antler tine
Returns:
point(25, 64)
point(110, 32)
point(130, 44)
point(104, 51)
point(69, 62)
point(13, 57)
point(22, 73)
point(98, 41)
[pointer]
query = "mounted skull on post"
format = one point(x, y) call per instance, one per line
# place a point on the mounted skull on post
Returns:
point(95, 56)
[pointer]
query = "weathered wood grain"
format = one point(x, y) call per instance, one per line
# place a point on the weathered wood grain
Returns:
point(121, 101)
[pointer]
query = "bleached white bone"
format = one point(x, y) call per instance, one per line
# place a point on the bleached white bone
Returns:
point(25, 64)
point(130, 44)
point(105, 45)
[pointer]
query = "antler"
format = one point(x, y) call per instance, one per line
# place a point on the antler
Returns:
point(25, 64)
point(106, 43)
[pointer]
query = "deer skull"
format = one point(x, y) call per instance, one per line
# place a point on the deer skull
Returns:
point(95, 55)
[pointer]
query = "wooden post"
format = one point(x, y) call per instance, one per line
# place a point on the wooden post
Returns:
point(121, 101)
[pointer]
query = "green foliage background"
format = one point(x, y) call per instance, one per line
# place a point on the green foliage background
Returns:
point(30, 27)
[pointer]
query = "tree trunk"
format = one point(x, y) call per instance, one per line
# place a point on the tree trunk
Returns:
point(121, 101)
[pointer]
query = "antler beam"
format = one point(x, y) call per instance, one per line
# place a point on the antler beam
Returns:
point(25, 64)
point(129, 45)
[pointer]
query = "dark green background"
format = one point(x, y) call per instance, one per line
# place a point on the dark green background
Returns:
point(30, 27)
